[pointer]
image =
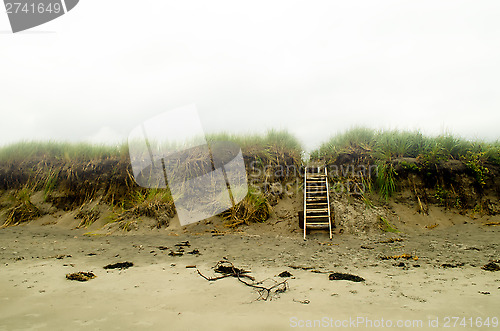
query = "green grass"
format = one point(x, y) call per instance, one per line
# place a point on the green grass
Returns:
point(71, 174)
point(389, 144)
point(386, 226)
point(381, 147)
point(272, 142)
point(386, 180)
point(66, 151)
point(268, 148)
point(492, 152)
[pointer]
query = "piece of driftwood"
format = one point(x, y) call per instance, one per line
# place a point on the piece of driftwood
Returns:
point(227, 269)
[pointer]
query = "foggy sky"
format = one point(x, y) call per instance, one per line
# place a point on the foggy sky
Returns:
point(313, 67)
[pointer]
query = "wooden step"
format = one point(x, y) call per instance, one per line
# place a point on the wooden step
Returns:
point(318, 226)
point(314, 204)
point(316, 216)
point(317, 210)
point(317, 222)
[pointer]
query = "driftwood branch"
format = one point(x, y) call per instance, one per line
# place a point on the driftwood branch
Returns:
point(227, 269)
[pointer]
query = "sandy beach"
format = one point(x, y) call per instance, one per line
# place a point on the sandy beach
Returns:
point(442, 280)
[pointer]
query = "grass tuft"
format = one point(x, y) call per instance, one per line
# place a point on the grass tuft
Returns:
point(386, 226)
point(23, 209)
point(254, 208)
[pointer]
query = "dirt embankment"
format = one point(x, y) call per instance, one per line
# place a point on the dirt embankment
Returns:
point(98, 192)
point(102, 194)
point(421, 194)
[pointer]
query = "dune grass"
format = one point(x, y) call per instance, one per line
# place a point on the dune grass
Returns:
point(29, 150)
point(69, 174)
point(382, 147)
point(268, 147)
point(386, 144)
point(272, 144)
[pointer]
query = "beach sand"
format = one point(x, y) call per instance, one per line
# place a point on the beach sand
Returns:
point(159, 292)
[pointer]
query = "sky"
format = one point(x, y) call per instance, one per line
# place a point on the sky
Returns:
point(315, 68)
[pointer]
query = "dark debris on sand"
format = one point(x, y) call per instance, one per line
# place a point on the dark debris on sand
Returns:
point(449, 265)
point(229, 269)
point(285, 274)
point(81, 276)
point(300, 267)
point(180, 249)
point(119, 265)
point(343, 276)
point(390, 241)
point(62, 256)
point(492, 266)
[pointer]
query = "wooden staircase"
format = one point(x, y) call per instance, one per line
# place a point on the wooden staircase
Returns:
point(316, 200)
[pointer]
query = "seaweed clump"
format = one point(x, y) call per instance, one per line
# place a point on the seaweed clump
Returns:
point(81, 276)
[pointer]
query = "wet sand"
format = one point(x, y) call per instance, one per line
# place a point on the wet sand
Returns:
point(160, 293)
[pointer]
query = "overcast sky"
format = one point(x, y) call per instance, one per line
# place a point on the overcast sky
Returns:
point(313, 67)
